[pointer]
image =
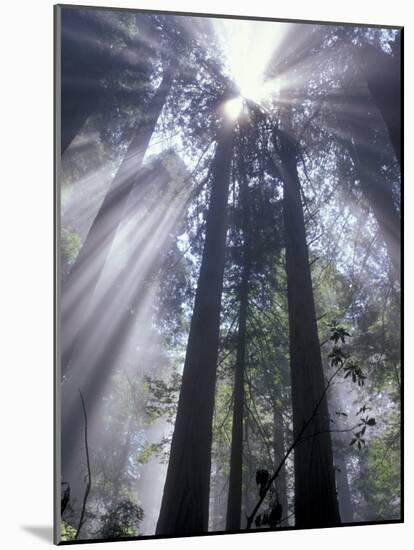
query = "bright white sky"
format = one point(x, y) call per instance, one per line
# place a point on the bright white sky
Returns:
point(248, 47)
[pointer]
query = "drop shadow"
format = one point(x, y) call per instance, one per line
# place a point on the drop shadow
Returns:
point(42, 532)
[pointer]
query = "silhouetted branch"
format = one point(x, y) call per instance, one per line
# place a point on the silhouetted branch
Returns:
point(88, 485)
point(250, 518)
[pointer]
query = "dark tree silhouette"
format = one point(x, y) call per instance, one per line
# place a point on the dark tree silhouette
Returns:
point(384, 83)
point(315, 491)
point(185, 501)
point(233, 517)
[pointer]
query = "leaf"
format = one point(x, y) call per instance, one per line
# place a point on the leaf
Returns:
point(262, 477)
point(362, 410)
point(275, 514)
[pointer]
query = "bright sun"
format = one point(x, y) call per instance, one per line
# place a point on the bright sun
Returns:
point(233, 107)
point(248, 47)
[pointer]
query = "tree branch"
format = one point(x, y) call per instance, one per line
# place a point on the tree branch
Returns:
point(250, 518)
point(88, 485)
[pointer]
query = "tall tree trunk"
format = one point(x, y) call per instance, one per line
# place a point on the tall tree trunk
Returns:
point(234, 502)
point(383, 74)
point(76, 107)
point(247, 502)
point(185, 502)
point(82, 279)
point(315, 492)
point(344, 495)
point(279, 428)
point(86, 58)
point(368, 158)
point(81, 90)
point(378, 193)
point(279, 453)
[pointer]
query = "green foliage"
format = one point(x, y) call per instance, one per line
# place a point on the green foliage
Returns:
point(67, 532)
point(338, 333)
point(123, 521)
point(358, 439)
point(272, 515)
point(383, 476)
point(70, 245)
point(337, 356)
point(353, 370)
point(147, 452)
point(162, 397)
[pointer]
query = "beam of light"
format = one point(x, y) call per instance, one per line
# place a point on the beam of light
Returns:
point(115, 291)
point(157, 223)
point(248, 47)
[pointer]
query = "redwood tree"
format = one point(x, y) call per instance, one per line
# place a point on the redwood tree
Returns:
point(315, 491)
point(185, 501)
point(234, 500)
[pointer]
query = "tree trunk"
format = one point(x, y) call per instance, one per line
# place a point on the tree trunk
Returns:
point(315, 492)
point(378, 193)
point(86, 59)
point(344, 495)
point(185, 502)
point(76, 107)
point(279, 451)
point(82, 279)
point(82, 65)
point(383, 74)
point(234, 502)
point(249, 493)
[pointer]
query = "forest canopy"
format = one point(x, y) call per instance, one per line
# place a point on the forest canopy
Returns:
point(229, 274)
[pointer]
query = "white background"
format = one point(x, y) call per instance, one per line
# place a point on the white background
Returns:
point(26, 329)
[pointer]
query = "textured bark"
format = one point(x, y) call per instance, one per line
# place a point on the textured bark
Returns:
point(234, 502)
point(185, 502)
point(344, 495)
point(315, 492)
point(249, 491)
point(84, 275)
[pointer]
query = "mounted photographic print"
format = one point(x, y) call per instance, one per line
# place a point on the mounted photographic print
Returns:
point(228, 274)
